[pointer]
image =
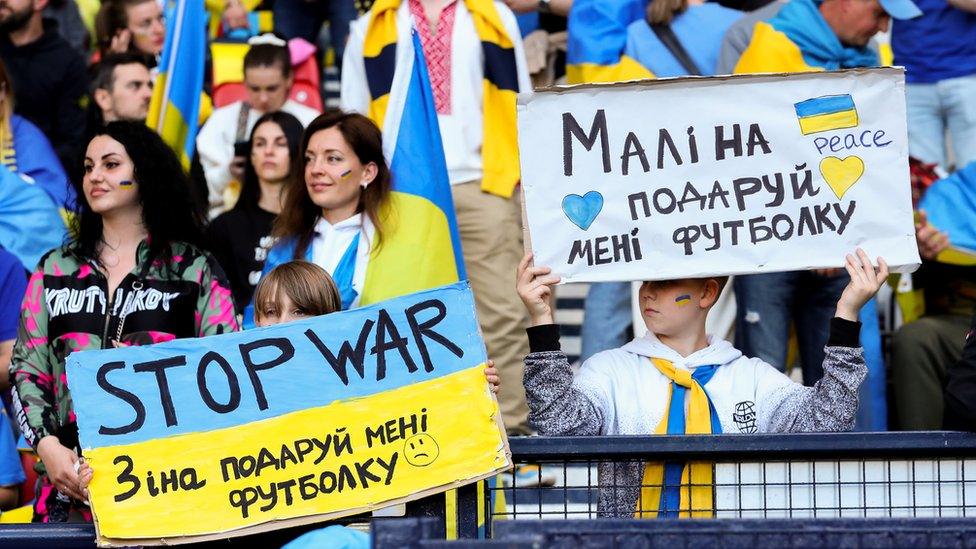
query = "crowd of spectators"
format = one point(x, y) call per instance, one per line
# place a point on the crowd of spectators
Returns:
point(92, 202)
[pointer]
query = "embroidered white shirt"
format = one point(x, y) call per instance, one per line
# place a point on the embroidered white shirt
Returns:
point(462, 130)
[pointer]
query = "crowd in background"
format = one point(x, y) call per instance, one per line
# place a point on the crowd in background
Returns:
point(101, 224)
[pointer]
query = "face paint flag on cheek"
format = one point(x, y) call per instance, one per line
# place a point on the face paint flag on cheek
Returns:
point(127, 184)
point(345, 175)
point(683, 300)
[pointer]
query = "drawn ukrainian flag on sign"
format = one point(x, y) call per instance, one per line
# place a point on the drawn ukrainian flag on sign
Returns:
point(830, 112)
point(175, 105)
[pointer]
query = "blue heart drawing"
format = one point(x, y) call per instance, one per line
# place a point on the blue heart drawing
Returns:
point(582, 210)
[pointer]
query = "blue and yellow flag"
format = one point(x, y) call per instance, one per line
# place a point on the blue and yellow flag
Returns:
point(950, 204)
point(597, 39)
point(175, 105)
point(830, 112)
point(421, 246)
point(30, 221)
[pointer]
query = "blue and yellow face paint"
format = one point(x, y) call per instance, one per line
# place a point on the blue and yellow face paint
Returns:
point(127, 184)
point(345, 175)
point(830, 112)
point(683, 300)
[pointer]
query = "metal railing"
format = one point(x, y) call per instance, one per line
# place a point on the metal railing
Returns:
point(818, 475)
point(799, 477)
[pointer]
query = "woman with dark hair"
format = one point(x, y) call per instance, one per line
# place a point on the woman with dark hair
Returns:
point(132, 274)
point(241, 237)
point(335, 216)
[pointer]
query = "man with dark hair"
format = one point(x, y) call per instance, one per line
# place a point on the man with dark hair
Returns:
point(122, 87)
point(268, 80)
point(49, 77)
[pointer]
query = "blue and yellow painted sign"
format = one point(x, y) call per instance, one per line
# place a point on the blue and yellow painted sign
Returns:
point(311, 420)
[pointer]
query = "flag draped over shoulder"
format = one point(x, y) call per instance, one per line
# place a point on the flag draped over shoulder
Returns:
point(950, 204)
point(175, 105)
point(597, 40)
point(798, 39)
point(30, 223)
point(421, 246)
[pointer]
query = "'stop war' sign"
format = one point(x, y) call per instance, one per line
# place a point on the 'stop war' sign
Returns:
point(208, 438)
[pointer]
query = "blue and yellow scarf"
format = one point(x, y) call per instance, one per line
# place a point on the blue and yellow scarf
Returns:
point(499, 148)
point(675, 489)
point(799, 39)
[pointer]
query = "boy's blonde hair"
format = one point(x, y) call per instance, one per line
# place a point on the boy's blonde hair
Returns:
point(722, 281)
point(308, 286)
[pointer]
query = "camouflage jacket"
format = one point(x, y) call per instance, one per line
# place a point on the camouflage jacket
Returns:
point(66, 310)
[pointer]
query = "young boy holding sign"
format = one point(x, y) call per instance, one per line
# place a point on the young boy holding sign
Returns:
point(641, 387)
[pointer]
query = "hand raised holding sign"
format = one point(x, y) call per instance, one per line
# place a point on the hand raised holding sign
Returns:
point(534, 285)
point(865, 282)
point(491, 375)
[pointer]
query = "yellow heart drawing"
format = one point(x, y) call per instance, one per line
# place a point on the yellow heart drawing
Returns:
point(841, 175)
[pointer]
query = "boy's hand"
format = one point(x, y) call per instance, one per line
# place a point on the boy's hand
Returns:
point(491, 375)
point(534, 285)
point(864, 283)
point(84, 477)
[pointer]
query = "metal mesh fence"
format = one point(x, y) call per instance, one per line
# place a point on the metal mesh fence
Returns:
point(849, 488)
point(876, 475)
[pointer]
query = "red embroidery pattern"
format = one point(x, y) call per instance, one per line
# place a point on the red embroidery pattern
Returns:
point(437, 51)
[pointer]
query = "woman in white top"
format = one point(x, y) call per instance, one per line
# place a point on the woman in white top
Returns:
point(332, 217)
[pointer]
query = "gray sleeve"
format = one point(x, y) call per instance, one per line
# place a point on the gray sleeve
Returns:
point(830, 405)
point(733, 44)
point(556, 407)
point(739, 35)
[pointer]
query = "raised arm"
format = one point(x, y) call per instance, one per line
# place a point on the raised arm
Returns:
point(556, 406)
point(831, 404)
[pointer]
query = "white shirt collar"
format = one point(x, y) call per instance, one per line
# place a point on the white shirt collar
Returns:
point(323, 227)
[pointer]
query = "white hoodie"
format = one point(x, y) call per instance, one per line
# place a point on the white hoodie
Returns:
point(619, 392)
point(633, 394)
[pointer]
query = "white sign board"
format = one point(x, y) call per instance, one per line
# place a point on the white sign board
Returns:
point(693, 177)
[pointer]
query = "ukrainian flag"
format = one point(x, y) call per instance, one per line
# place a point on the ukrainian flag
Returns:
point(830, 112)
point(597, 39)
point(421, 246)
point(175, 105)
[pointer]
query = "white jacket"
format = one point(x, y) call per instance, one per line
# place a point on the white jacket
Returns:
point(633, 394)
point(619, 392)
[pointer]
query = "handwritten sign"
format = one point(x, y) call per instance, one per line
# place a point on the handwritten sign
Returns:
point(695, 177)
point(210, 438)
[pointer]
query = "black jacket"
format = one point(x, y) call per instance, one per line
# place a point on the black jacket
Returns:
point(960, 394)
point(50, 84)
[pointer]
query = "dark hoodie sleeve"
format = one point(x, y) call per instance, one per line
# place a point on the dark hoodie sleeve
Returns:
point(960, 392)
point(556, 406)
point(68, 131)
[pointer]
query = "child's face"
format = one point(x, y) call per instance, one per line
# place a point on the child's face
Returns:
point(673, 307)
point(279, 313)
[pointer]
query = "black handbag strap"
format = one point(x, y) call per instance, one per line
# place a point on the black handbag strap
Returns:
point(670, 41)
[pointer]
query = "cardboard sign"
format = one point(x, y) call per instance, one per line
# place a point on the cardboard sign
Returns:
point(693, 177)
point(209, 438)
